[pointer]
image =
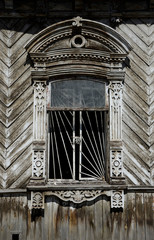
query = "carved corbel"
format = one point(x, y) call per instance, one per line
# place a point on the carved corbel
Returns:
point(117, 199)
point(37, 200)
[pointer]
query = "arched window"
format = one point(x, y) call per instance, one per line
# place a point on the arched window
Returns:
point(77, 129)
point(78, 75)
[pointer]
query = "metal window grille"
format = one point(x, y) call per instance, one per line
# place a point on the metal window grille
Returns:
point(76, 144)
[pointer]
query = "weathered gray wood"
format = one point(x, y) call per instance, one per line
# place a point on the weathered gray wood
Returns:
point(149, 221)
point(131, 217)
point(106, 216)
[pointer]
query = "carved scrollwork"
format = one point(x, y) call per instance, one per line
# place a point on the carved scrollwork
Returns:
point(77, 196)
point(117, 199)
point(116, 164)
point(38, 164)
point(77, 22)
point(39, 110)
point(116, 95)
point(116, 110)
point(39, 95)
point(37, 200)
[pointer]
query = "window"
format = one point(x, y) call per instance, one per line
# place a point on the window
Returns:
point(76, 129)
point(79, 138)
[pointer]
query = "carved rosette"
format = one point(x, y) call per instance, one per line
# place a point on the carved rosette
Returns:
point(38, 164)
point(115, 110)
point(117, 199)
point(116, 163)
point(37, 200)
point(77, 196)
point(39, 119)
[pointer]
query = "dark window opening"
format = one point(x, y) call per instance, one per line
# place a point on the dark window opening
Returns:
point(15, 236)
point(76, 145)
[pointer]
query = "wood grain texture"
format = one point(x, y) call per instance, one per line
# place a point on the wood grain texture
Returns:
point(138, 102)
point(15, 105)
point(16, 100)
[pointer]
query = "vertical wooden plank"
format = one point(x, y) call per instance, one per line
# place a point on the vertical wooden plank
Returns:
point(73, 222)
point(5, 216)
point(149, 215)
point(106, 221)
point(98, 219)
point(123, 221)
point(81, 223)
point(140, 224)
point(131, 216)
point(64, 222)
point(89, 222)
point(23, 215)
point(48, 220)
point(56, 219)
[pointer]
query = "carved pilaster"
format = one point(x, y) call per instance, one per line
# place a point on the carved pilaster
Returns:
point(37, 200)
point(115, 110)
point(38, 164)
point(117, 199)
point(116, 156)
point(39, 119)
point(39, 132)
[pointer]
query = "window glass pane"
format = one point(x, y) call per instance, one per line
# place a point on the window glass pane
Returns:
point(78, 94)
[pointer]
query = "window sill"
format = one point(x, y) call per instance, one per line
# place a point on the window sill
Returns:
point(92, 185)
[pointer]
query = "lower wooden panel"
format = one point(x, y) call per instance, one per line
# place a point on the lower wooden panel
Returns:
point(67, 221)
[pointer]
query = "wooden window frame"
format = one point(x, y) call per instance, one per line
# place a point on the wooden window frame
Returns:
point(103, 60)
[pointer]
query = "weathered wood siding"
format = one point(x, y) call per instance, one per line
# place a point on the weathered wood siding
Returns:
point(138, 102)
point(16, 100)
point(92, 221)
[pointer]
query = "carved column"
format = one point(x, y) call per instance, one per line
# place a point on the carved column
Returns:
point(116, 152)
point(39, 131)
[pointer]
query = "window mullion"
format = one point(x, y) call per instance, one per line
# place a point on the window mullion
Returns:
point(74, 145)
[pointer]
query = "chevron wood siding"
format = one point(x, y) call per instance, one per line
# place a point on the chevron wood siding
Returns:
point(138, 102)
point(16, 100)
point(15, 105)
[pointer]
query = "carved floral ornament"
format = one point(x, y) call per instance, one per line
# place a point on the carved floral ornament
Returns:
point(102, 51)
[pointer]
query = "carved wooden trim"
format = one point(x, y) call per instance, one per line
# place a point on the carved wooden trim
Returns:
point(38, 164)
point(39, 114)
point(85, 48)
point(37, 200)
point(117, 199)
point(77, 196)
point(116, 163)
point(115, 110)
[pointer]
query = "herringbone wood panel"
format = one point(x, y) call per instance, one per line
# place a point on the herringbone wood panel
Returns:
point(138, 101)
point(16, 100)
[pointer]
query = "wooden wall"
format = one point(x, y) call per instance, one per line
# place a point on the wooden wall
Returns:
point(138, 102)
point(16, 100)
point(93, 221)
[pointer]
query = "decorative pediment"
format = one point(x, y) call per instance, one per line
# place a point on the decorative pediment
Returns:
point(78, 33)
point(77, 44)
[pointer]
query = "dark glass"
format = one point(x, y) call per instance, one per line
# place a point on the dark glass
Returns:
point(78, 94)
